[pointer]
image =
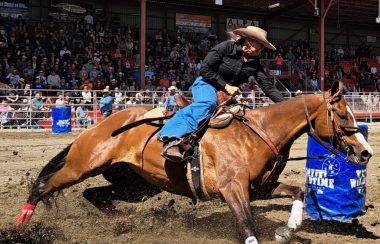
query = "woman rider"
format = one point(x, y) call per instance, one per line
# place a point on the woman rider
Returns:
point(225, 67)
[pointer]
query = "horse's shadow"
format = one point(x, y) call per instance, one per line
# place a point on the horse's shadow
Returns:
point(353, 228)
point(338, 228)
point(123, 187)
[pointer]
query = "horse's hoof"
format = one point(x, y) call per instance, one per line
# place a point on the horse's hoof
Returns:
point(283, 235)
point(251, 240)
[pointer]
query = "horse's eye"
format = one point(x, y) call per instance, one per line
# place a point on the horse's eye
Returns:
point(342, 116)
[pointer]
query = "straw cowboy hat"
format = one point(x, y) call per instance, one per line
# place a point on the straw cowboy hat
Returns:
point(106, 90)
point(172, 88)
point(255, 33)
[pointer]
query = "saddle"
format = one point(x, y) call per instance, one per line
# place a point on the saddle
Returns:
point(220, 120)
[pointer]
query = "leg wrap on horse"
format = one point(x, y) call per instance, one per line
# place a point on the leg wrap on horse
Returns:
point(251, 240)
point(25, 214)
point(295, 219)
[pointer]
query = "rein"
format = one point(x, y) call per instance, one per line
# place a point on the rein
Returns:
point(337, 133)
point(312, 134)
point(137, 123)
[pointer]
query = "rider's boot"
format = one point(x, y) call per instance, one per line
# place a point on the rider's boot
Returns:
point(172, 150)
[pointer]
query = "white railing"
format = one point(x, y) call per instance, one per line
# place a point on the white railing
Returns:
point(21, 114)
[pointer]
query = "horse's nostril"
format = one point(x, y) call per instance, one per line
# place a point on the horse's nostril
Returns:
point(365, 155)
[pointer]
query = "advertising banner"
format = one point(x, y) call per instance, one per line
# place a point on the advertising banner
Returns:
point(192, 20)
point(233, 24)
point(68, 12)
point(14, 8)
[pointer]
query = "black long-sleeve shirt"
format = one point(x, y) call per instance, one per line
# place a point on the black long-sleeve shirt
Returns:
point(224, 64)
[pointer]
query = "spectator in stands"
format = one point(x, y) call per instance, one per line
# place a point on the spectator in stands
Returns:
point(13, 79)
point(170, 104)
point(279, 62)
point(113, 84)
point(12, 98)
point(41, 76)
point(82, 118)
point(60, 102)
point(37, 86)
point(53, 80)
point(86, 95)
point(131, 101)
point(339, 72)
point(314, 83)
point(83, 74)
point(105, 104)
point(6, 114)
point(89, 21)
point(38, 108)
point(164, 81)
point(290, 56)
point(243, 51)
point(148, 84)
point(118, 99)
point(373, 69)
point(74, 81)
point(140, 96)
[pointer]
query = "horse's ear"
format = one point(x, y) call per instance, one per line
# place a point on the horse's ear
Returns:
point(337, 89)
point(334, 87)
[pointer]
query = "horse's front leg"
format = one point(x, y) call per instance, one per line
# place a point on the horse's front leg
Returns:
point(236, 193)
point(285, 233)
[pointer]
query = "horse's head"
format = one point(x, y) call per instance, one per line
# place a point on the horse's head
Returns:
point(339, 126)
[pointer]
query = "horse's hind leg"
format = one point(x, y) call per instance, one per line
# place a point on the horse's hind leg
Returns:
point(284, 234)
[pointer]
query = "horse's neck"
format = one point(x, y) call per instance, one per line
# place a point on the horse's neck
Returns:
point(286, 121)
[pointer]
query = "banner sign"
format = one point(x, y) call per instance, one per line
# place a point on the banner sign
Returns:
point(233, 24)
point(371, 39)
point(14, 8)
point(68, 12)
point(192, 20)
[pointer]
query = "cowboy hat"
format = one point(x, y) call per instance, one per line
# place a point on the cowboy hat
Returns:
point(172, 88)
point(106, 90)
point(255, 33)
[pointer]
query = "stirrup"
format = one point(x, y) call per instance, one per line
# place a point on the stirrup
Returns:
point(173, 158)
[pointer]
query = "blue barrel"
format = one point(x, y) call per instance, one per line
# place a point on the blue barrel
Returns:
point(61, 120)
point(335, 188)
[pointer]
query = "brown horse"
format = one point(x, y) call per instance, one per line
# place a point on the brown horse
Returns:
point(236, 161)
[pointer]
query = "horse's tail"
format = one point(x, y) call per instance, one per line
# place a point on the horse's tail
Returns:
point(36, 193)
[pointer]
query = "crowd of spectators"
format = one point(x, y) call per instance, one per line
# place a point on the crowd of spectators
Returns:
point(79, 60)
point(87, 56)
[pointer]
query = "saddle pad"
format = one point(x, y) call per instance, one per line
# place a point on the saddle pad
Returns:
point(156, 113)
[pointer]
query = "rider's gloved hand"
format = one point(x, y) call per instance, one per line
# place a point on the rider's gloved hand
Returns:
point(232, 90)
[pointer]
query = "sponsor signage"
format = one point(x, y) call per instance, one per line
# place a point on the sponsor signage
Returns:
point(233, 24)
point(193, 20)
point(14, 8)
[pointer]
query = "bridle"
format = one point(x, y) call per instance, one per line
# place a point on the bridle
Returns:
point(339, 130)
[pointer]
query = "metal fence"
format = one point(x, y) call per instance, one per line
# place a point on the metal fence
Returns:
point(17, 110)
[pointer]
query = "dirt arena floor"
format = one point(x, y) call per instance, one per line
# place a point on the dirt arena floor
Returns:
point(164, 218)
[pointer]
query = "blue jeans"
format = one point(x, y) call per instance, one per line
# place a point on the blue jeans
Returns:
point(187, 120)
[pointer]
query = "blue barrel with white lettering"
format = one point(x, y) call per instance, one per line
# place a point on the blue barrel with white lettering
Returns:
point(61, 120)
point(335, 188)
